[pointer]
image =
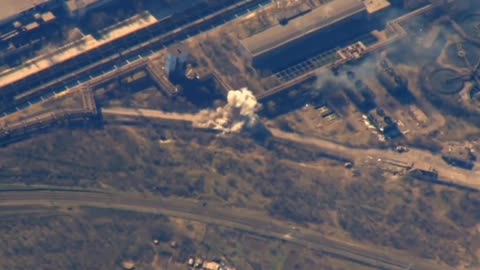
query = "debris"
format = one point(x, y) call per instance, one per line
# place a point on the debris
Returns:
point(401, 149)
point(128, 265)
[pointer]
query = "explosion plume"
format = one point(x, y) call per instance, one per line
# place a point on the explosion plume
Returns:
point(240, 112)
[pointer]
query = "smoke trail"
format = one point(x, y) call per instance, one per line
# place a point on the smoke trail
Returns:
point(240, 112)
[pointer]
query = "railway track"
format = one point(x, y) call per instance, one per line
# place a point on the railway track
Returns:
point(104, 61)
point(254, 222)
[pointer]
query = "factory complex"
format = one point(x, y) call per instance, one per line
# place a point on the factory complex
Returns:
point(300, 45)
point(293, 36)
point(133, 44)
point(282, 112)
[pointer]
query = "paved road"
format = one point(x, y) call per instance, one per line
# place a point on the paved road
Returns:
point(246, 220)
point(119, 111)
point(447, 173)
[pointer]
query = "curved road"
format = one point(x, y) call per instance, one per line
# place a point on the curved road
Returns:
point(241, 219)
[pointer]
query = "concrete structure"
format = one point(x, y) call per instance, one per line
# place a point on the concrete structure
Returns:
point(20, 22)
point(292, 13)
point(295, 39)
point(374, 6)
point(160, 77)
point(80, 7)
point(17, 126)
point(120, 47)
point(13, 9)
point(352, 52)
point(176, 60)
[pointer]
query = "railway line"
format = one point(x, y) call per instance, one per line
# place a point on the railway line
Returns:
point(104, 61)
point(254, 222)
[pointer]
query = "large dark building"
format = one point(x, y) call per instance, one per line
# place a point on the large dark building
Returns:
point(320, 29)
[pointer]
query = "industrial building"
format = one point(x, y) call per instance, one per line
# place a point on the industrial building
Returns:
point(23, 26)
point(80, 7)
point(19, 16)
point(320, 29)
point(24, 30)
point(15, 10)
point(178, 56)
point(10, 10)
point(74, 50)
point(181, 72)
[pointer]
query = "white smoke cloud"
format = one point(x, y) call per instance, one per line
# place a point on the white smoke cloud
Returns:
point(240, 112)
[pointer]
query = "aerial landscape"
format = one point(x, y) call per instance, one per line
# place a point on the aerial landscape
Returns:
point(240, 134)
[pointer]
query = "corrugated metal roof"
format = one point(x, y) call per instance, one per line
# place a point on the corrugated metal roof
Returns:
point(11, 8)
point(280, 35)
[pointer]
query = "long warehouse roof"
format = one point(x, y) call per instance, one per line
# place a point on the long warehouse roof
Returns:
point(75, 49)
point(11, 8)
point(321, 17)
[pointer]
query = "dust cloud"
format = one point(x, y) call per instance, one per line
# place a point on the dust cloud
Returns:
point(239, 113)
point(413, 50)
